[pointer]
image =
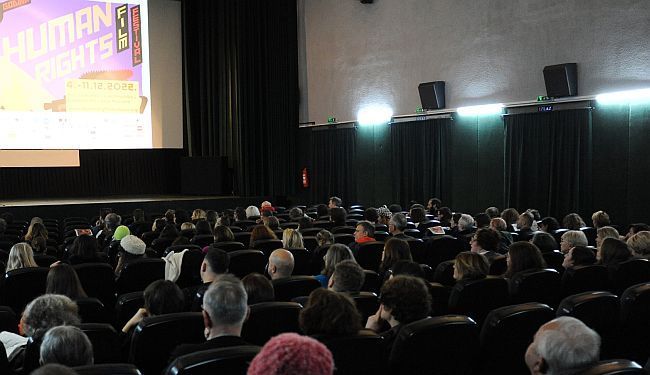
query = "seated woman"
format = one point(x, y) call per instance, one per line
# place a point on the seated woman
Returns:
point(404, 299)
point(639, 243)
point(131, 248)
point(394, 251)
point(523, 256)
point(486, 242)
point(63, 279)
point(20, 256)
point(573, 221)
point(544, 242)
point(469, 266)
point(37, 237)
point(548, 225)
point(84, 250)
point(223, 234)
point(577, 257)
point(606, 232)
point(613, 252)
point(336, 254)
point(329, 313)
point(292, 239)
point(261, 232)
point(258, 288)
point(203, 227)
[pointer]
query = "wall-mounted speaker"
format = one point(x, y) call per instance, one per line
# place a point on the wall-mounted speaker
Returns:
point(366, 1)
point(432, 94)
point(561, 80)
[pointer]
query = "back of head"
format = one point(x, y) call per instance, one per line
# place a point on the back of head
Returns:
point(198, 214)
point(63, 279)
point(84, 246)
point(550, 223)
point(292, 239)
point(639, 243)
point(399, 221)
point(138, 215)
point(217, 260)
point(492, 212)
point(336, 201)
point(295, 214)
point(258, 288)
point(407, 297)
point(348, 277)
point(371, 214)
point(545, 242)
point(525, 220)
point(324, 237)
point(283, 261)
point(321, 210)
point(613, 251)
point(54, 369)
point(292, 354)
point(338, 215)
point(226, 301)
point(407, 268)
point(394, 208)
point(203, 227)
point(607, 232)
point(523, 256)
point(47, 311)
point(21, 255)
point(335, 255)
point(482, 220)
point(582, 256)
point(112, 221)
point(163, 297)
point(575, 238)
point(329, 313)
point(222, 234)
point(466, 222)
point(600, 219)
point(252, 211)
point(66, 345)
point(470, 266)
point(487, 239)
point(121, 232)
point(418, 214)
point(573, 221)
point(395, 249)
point(510, 215)
point(499, 224)
point(567, 345)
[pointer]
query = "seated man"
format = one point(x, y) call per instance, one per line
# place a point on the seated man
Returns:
point(563, 346)
point(348, 277)
point(281, 264)
point(363, 233)
point(397, 225)
point(66, 345)
point(225, 308)
point(215, 263)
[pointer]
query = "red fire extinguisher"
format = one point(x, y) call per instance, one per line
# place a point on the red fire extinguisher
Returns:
point(305, 178)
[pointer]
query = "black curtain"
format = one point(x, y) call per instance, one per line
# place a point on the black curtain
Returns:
point(241, 89)
point(420, 160)
point(548, 161)
point(331, 162)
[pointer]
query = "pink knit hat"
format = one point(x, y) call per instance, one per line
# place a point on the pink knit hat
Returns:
point(292, 354)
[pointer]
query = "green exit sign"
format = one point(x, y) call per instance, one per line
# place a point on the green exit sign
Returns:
point(331, 120)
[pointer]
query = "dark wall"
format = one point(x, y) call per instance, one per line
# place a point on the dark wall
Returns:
point(620, 164)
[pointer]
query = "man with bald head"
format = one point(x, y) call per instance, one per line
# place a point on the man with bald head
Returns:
point(563, 346)
point(280, 264)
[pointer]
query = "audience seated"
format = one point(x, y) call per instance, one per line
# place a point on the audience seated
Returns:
point(612, 252)
point(338, 216)
point(545, 242)
point(384, 215)
point(572, 238)
point(636, 228)
point(225, 309)
point(215, 262)
point(523, 256)
point(84, 250)
point(397, 225)
point(131, 248)
point(280, 264)
point(605, 232)
point(469, 266)
point(292, 239)
point(329, 313)
point(600, 219)
point(63, 279)
point(548, 225)
point(364, 232)
point(336, 254)
point(639, 243)
point(223, 234)
point(66, 345)
point(395, 249)
point(258, 288)
point(292, 354)
point(348, 277)
point(261, 232)
point(486, 242)
point(573, 221)
point(577, 257)
point(37, 237)
point(20, 256)
point(510, 216)
point(563, 346)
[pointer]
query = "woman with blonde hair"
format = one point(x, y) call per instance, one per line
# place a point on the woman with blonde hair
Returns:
point(292, 239)
point(470, 266)
point(21, 256)
point(335, 254)
point(639, 243)
point(605, 232)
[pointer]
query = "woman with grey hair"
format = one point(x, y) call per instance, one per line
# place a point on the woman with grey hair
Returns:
point(66, 345)
point(335, 254)
point(43, 313)
point(572, 238)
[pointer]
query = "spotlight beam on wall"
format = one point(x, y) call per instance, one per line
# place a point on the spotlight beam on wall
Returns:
point(375, 114)
point(481, 110)
point(624, 97)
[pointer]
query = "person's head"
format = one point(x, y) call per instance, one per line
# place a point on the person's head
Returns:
point(564, 345)
point(170, 216)
point(133, 246)
point(600, 219)
point(304, 222)
point(266, 206)
point(295, 214)
point(548, 224)
point(335, 254)
point(324, 237)
point(21, 255)
point(572, 238)
point(605, 232)
point(525, 221)
point(281, 264)
point(492, 212)
point(138, 215)
point(395, 250)
point(240, 213)
point(211, 217)
point(639, 243)
point(35, 230)
point(225, 306)
point(66, 345)
point(397, 224)
point(158, 225)
point(485, 239)
point(337, 216)
point(395, 208)
point(544, 242)
point(433, 204)
point(223, 221)
point(523, 256)
point(407, 268)
point(163, 297)
point(270, 221)
point(418, 214)
point(579, 256)
point(84, 246)
point(364, 229)
point(404, 299)
point(63, 279)
point(292, 239)
point(444, 215)
point(322, 210)
point(510, 216)
point(292, 354)
point(482, 220)
point(121, 232)
point(371, 214)
point(215, 262)
point(261, 232)
point(47, 311)
point(334, 202)
point(613, 251)
point(112, 221)
point(634, 228)
point(329, 313)
point(499, 224)
point(348, 277)
point(198, 214)
point(573, 221)
point(252, 212)
point(384, 215)
point(223, 234)
point(470, 266)
point(203, 227)
point(258, 288)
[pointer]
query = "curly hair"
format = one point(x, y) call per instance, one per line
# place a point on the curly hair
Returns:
point(329, 313)
point(47, 311)
point(407, 297)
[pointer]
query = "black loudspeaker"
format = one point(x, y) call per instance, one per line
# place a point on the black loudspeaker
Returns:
point(561, 80)
point(366, 1)
point(432, 94)
point(205, 176)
